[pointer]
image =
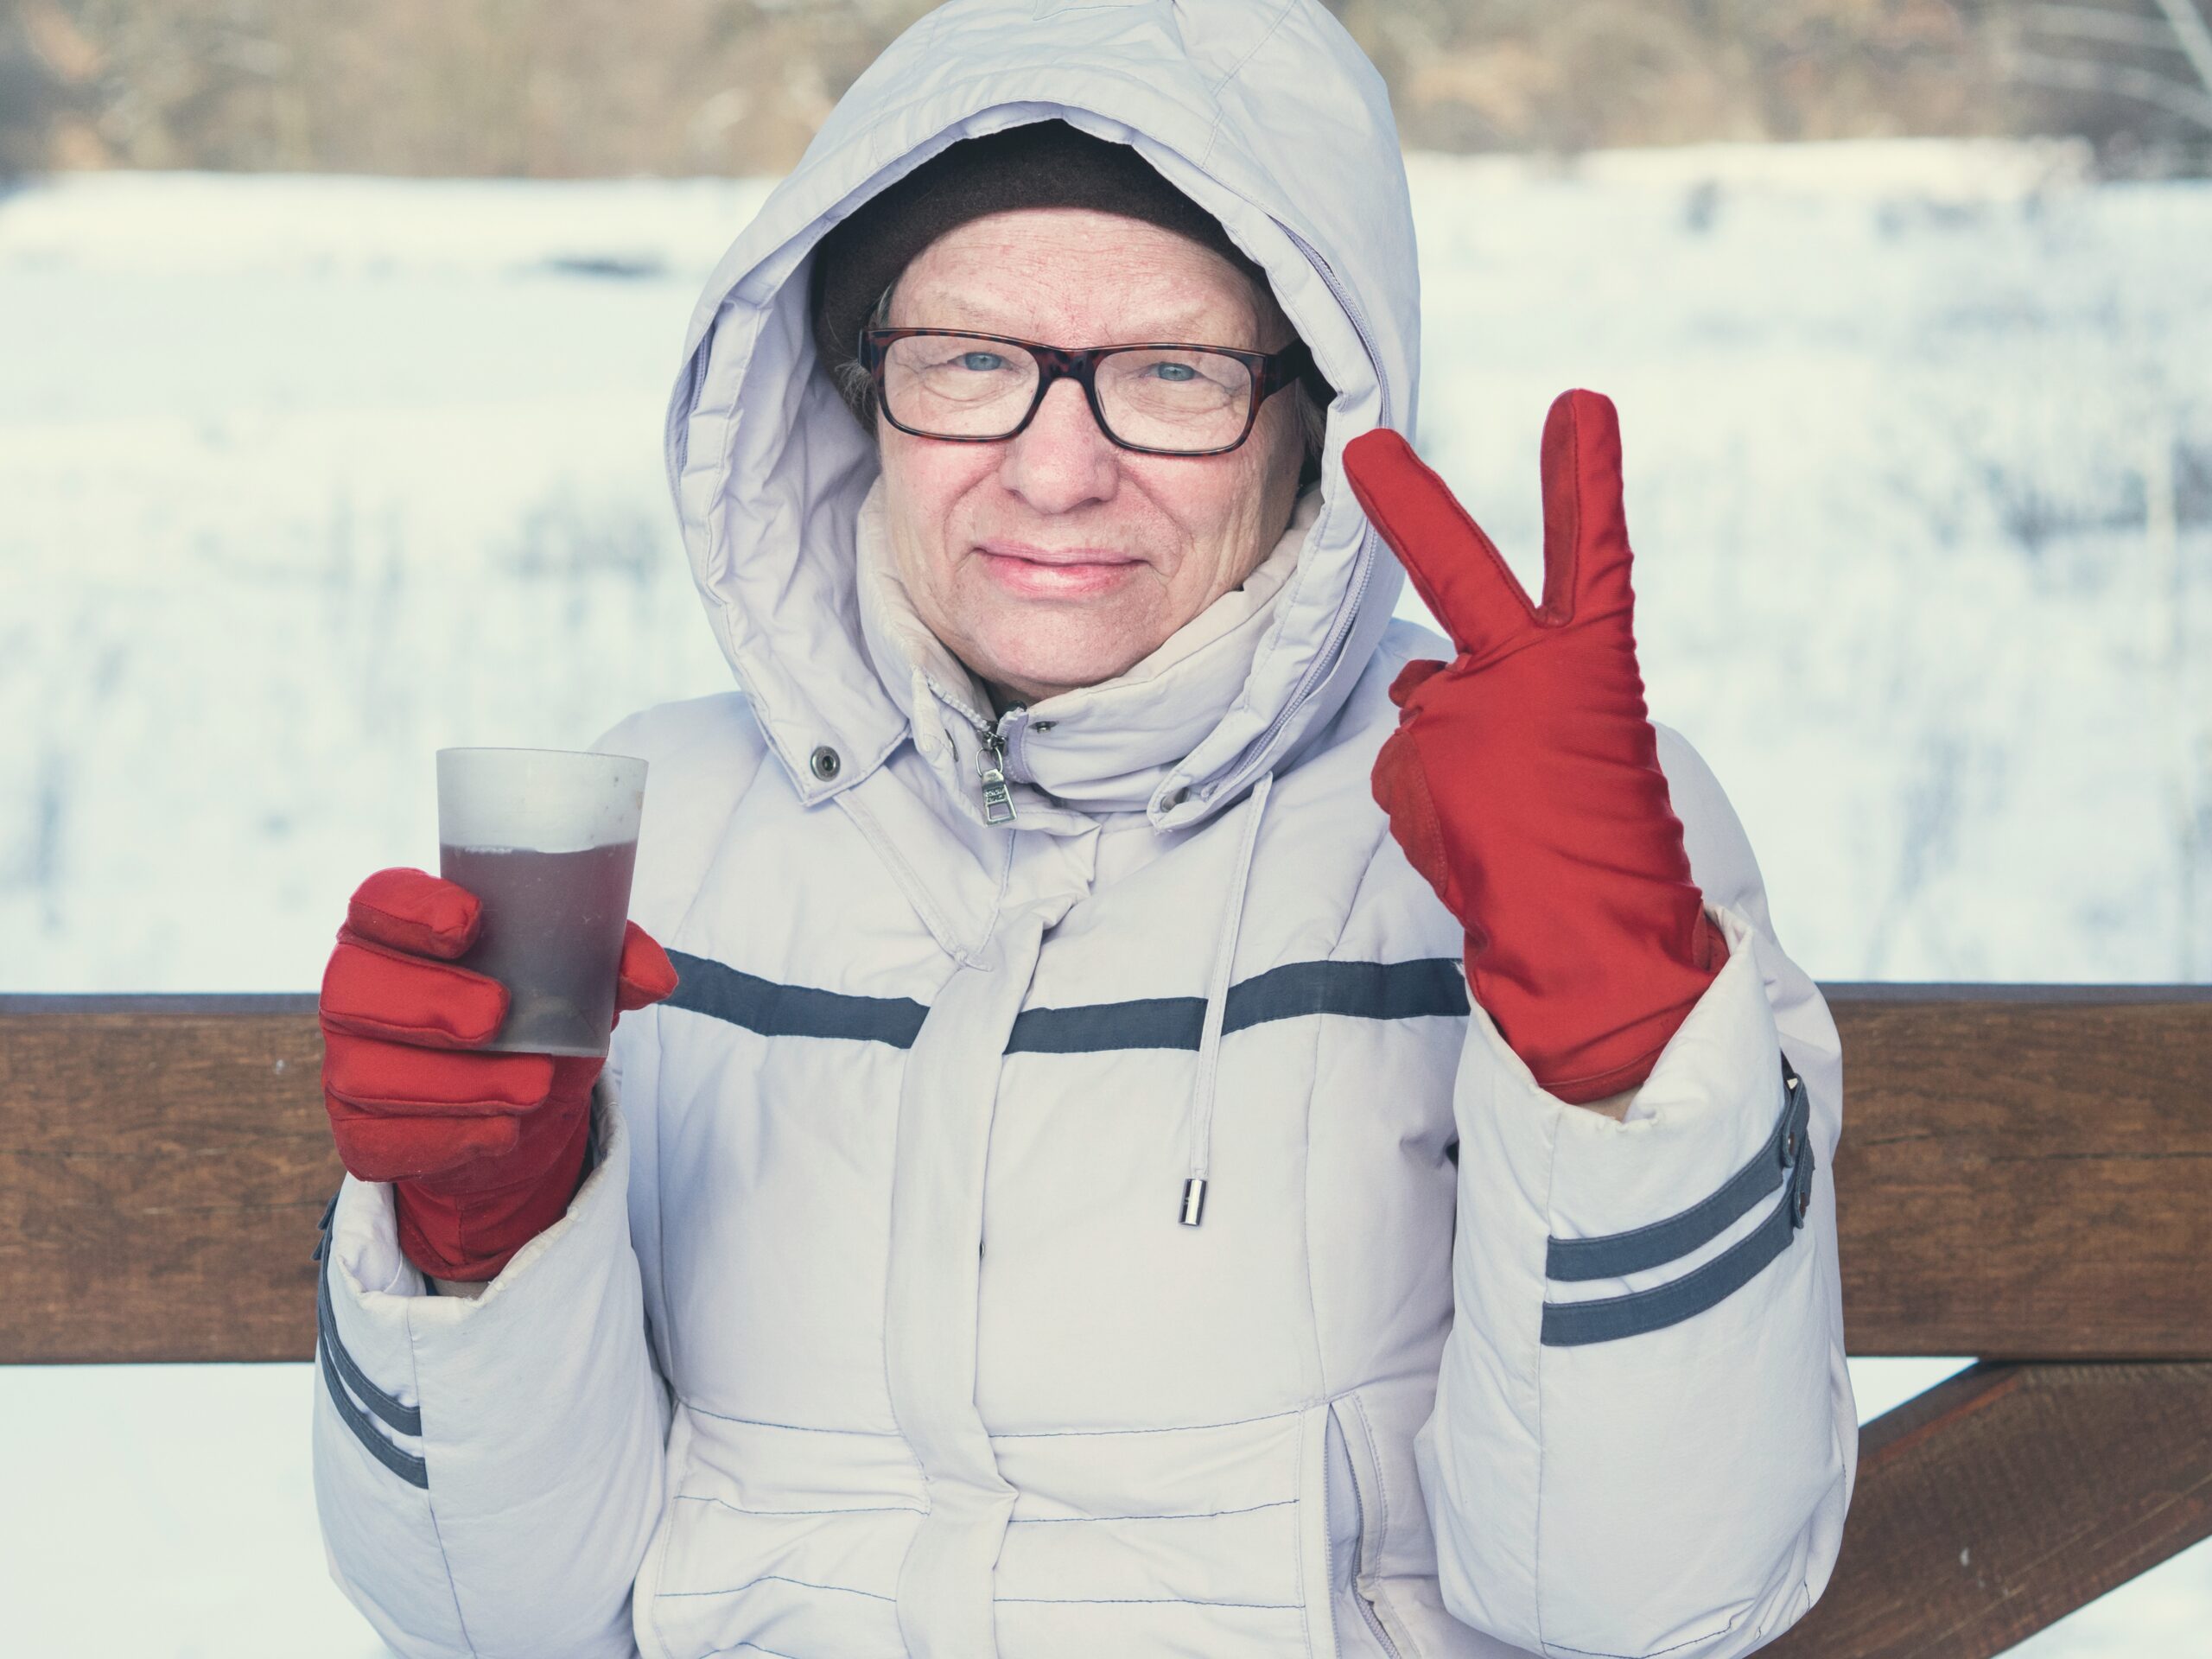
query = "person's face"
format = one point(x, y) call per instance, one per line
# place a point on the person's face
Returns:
point(1055, 559)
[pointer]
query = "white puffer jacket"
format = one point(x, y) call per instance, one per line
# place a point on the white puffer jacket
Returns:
point(876, 1330)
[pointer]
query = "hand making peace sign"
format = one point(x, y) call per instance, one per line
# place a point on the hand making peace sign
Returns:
point(1523, 779)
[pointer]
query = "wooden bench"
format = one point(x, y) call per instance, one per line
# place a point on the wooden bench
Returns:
point(2026, 1175)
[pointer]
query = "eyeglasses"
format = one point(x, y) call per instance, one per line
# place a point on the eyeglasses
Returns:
point(1156, 399)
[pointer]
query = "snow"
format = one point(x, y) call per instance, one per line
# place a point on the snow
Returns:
point(164, 1512)
point(301, 479)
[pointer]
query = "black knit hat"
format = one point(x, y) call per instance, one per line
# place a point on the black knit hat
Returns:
point(1042, 164)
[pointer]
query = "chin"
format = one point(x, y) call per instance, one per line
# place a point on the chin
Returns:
point(1046, 654)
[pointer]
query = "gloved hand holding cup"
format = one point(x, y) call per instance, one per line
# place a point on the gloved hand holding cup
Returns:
point(466, 1019)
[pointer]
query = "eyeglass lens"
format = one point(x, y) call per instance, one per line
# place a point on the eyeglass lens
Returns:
point(1175, 398)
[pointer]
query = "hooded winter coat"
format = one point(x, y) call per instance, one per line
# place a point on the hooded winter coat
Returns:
point(876, 1330)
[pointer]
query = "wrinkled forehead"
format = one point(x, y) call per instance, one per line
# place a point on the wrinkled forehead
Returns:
point(1075, 277)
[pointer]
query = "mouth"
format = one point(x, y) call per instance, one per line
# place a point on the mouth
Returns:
point(1056, 572)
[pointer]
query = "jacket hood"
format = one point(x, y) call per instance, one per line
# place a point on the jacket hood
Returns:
point(1264, 113)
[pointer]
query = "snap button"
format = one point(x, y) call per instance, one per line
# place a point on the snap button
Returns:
point(823, 763)
point(1043, 726)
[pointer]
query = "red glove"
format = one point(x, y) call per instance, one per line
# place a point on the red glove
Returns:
point(1523, 779)
point(484, 1150)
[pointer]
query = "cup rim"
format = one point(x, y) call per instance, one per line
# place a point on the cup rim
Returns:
point(511, 748)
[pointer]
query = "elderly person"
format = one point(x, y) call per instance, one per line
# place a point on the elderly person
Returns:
point(1178, 1115)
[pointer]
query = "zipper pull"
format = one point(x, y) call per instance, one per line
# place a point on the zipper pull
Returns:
point(998, 797)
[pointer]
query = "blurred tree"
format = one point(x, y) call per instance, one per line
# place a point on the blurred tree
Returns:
point(44, 65)
point(567, 87)
point(2139, 73)
point(1539, 74)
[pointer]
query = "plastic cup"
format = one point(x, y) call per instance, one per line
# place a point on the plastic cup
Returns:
point(546, 839)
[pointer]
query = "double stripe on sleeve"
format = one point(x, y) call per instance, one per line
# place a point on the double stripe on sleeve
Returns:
point(356, 1398)
point(1785, 1162)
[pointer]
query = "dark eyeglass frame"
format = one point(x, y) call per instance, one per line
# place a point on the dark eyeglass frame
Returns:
point(1270, 370)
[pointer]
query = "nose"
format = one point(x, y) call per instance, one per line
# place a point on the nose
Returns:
point(1061, 461)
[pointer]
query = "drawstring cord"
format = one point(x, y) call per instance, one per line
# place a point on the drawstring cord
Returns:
point(1194, 1187)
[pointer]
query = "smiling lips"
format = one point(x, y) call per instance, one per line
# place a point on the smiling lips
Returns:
point(1056, 572)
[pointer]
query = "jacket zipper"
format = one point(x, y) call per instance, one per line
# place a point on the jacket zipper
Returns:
point(1374, 1620)
point(1359, 1566)
point(990, 756)
point(990, 763)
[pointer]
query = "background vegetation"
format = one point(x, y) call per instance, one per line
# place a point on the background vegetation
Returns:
point(572, 88)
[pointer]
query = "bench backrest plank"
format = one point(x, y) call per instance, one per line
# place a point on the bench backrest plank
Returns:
point(2024, 1171)
point(2023, 1174)
point(161, 1176)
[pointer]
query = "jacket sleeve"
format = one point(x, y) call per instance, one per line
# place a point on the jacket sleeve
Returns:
point(488, 1471)
point(1644, 1438)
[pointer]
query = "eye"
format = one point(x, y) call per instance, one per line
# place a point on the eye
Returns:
point(979, 362)
point(1176, 373)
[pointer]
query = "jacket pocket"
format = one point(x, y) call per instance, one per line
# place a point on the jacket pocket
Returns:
point(1352, 1453)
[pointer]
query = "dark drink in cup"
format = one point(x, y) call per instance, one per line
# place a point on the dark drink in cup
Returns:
point(552, 935)
point(546, 840)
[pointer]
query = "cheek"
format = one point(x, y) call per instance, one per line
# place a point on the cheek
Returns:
point(1222, 506)
point(923, 485)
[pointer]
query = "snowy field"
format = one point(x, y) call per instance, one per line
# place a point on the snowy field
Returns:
point(301, 479)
